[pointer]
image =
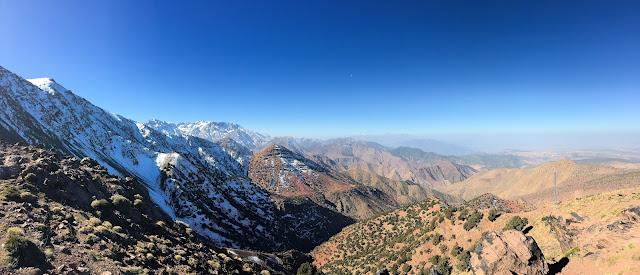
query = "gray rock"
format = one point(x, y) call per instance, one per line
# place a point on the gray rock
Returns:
point(509, 252)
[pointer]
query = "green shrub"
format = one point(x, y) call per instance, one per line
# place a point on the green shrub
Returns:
point(121, 203)
point(100, 205)
point(493, 215)
point(11, 192)
point(473, 220)
point(443, 248)
point(308, 269)
point(102, 231)
point(66, 235)
point(92, 238)
point(437, 238)
point(95, 222)
point(448, 212)
point(463, 261)
point(181, 224)
point(456, 250)
point(464, 214)
point(22, 251)
point(86, 230)
point(107, 224)
point(517, 223)
point(26, 196)
point(31, 177)
point(443, 266)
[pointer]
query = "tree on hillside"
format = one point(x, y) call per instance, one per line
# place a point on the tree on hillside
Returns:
point(308, 269)
point(517, 223)
point(473, 220)
point(493, 215)
point(464, 214)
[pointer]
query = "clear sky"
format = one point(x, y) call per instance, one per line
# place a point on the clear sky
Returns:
point(330, 68)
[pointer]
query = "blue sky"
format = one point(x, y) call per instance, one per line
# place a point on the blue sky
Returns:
point(332, 68)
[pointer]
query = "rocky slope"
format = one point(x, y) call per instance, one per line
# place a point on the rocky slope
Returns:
point(62, 215)
point(595, 234)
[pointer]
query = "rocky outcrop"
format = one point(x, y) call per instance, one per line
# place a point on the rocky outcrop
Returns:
point(509, 252)
point(629, 219)
point(562, 231)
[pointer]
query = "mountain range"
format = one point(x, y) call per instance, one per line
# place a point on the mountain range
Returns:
point(242, 190)
point(206, 173)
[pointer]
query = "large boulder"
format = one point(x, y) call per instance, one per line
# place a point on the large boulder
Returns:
point(509, 252)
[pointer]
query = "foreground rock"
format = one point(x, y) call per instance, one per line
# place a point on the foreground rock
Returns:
point(509, 252)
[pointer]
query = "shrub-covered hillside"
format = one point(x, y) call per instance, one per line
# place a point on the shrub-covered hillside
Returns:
point(410, 240)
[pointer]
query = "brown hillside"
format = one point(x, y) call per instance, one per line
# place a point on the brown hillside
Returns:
point(355, 193)
point(403, 192)
point(516, 183)
point(289, 175)
point(375, 159)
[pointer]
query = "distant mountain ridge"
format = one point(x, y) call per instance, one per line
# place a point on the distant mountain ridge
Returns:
point(372, 157)
point(477, 161)
point(426, 144)
point(212, 131)
point(535, 185)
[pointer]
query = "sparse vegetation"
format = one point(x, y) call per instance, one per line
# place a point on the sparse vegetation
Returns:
point(11, 193)
point(22, 251)
point(463, 261)
point(31, 177)
point(121, 203)
point(517, 223)
point(571, 251)
point(464, 214)
point(26, 196)
point(308, 269)
point(473, 220)
point(493, 215)
point(101, 205)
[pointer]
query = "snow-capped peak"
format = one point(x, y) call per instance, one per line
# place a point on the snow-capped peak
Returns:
point(212, 131)
point(48, 85)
